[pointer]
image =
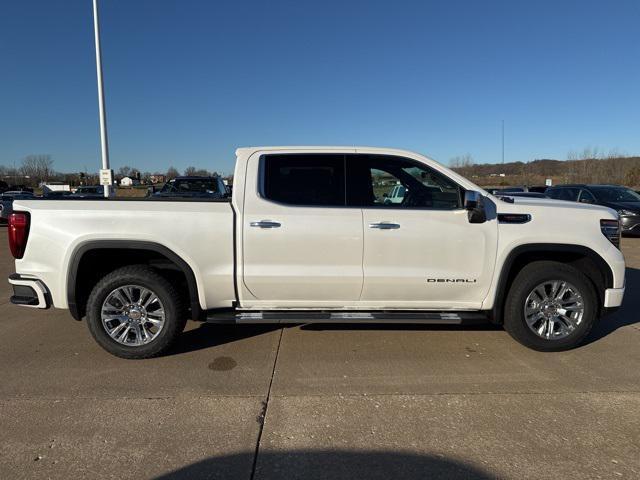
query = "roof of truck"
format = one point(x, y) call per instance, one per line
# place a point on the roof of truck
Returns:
point(249, 150)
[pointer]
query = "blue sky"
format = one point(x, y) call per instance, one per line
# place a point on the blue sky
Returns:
point(189, 81)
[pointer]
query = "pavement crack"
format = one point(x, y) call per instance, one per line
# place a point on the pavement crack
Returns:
point(262, 416)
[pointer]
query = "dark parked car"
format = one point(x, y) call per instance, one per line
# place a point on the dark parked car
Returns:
point(88, 191)
point(193, 187)
point(57, 194)
point(501, 193)
point(622, 199)
point(538, 188)
point(6, 202)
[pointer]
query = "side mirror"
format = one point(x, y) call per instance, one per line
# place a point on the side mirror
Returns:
point(586, 200)
point(474, 205)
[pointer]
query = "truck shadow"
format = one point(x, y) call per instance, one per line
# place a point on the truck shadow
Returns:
point(333, 464)
point(626, 315)
point(211, 335)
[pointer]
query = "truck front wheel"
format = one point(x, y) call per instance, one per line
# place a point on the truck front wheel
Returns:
point(551, 306)
point(133, 312)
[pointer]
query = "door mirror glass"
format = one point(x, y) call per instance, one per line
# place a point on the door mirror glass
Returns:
point(473, 203)
point(471, 199)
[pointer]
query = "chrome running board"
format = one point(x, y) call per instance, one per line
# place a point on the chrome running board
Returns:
point(315, 316)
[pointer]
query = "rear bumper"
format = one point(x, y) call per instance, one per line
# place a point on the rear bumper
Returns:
point(613, 297)
point(29, 292)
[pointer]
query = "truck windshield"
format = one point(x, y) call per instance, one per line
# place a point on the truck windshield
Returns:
point(615, 194)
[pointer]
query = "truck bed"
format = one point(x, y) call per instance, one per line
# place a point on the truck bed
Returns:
point(200, 232)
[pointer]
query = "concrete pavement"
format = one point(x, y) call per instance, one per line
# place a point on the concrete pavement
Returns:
point(319, 401)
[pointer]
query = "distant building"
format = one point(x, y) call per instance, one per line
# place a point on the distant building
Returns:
point(158, 178)
point(129, 182)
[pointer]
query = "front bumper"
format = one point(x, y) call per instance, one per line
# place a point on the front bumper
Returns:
point(613, 297)
point(29, 292)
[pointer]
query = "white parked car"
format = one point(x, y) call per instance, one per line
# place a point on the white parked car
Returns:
point(396, 195)
point(304, 239)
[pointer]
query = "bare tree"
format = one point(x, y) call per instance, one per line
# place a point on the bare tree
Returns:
point(172, 173)
point(632, 178)
point(190, 171)
point(37, 167)
point(461, 161)
point(124, 171)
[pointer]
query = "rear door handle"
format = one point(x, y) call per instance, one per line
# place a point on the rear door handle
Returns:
point(385, 225)
point(265, 224)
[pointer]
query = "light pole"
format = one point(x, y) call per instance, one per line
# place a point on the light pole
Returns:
point(105, 173)
point(503, 143)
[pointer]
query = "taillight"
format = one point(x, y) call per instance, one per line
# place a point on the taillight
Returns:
point(18, 233)
point(611, 230)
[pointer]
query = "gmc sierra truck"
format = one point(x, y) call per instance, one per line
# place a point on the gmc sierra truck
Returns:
point(308, 236)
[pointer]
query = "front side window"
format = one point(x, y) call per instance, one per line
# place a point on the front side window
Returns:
point(396, 182)
point(304, 179)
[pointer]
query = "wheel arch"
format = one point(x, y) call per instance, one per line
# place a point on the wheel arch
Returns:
point(75, 300)
point(585, 259)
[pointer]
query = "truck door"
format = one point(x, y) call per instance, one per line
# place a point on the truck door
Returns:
point(419, 251)
point(302, 246)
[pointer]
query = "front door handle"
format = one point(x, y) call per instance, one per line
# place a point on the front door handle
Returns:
point(385, 226)
point(265, 224)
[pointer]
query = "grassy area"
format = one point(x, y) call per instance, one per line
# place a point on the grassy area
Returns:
point(128, 192)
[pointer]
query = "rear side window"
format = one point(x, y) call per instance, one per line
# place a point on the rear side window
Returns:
point(306, 179)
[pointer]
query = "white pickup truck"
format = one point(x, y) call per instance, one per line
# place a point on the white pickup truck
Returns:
point(307, 236)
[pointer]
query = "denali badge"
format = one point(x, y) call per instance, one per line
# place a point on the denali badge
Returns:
point(451, 280)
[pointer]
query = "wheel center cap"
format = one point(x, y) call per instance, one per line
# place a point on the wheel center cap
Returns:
point(550, 309)
point(135, 314)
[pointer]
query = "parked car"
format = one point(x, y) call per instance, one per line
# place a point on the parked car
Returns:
point(511, 190)
point(624, 200)
point(6, 202)
point(57, 194)
point(304, 239)
point(88, 191)
point(193, 187)
point(500, 193)
point(396, 195)
point(537, 188)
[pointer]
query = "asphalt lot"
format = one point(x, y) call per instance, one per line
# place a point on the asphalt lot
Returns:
point(319, 401)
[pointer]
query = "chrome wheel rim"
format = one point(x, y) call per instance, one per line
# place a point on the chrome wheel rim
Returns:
point(133, 315)
point(554, 309)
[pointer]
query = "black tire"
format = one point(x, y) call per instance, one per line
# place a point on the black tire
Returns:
point(525, 281)
point(175, 314)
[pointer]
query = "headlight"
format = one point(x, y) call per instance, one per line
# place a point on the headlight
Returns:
point(627, 213)
point(611, 230)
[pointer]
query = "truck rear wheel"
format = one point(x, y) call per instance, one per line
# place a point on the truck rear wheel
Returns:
point(133, 312)
point(551, 306)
